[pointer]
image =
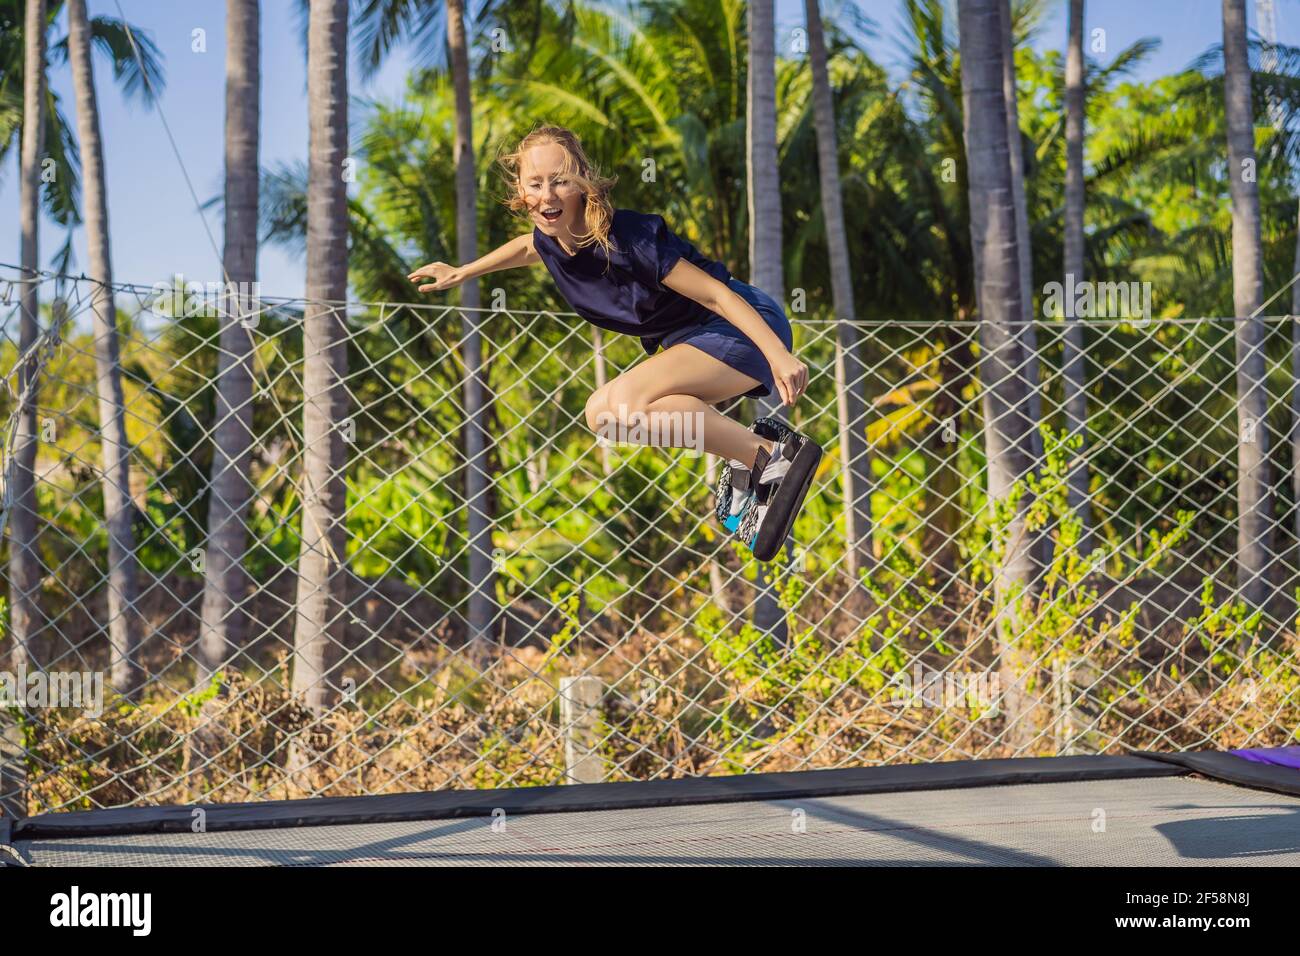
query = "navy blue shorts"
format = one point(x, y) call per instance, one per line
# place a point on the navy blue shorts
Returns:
point(729, 345)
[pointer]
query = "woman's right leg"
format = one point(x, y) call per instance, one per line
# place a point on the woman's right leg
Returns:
point(684, 381)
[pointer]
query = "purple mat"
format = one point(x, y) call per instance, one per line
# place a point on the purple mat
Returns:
point(1278, 756)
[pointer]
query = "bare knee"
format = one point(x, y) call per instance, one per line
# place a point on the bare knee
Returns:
point(625, 400)
point(597, 410)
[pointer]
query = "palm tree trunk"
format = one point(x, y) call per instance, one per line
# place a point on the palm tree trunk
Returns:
point(598, 353)
point(956, 370)
point(1028, 370)
point(717, 586)
point(125, 627)
point(1074, 371)
point(222, 627)
point(943, 475)
point(850, 371)
point(1295, 397)
point(998, 288)
point(24, 560)
point(1254, 489)
point(321, 566)
point(764, 195)
point(482, 598)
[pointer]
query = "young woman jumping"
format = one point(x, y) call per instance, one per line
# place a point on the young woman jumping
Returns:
point(709, 336)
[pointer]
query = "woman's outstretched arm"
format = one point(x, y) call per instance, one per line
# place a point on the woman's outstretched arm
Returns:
point(517, 252)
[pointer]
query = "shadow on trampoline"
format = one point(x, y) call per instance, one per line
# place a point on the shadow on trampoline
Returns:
point(1236, 837)
point(978, 852)
point(208, 849)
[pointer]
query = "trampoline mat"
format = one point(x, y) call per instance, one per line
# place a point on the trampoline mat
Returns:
point(1165, 821)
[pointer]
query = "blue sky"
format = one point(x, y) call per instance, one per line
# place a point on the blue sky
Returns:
point(157, 232)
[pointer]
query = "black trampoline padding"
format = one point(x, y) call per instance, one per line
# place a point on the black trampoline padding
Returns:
point(1233, 769)
point(458, 804)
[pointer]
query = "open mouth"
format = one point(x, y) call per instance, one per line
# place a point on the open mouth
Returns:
point(550, 213)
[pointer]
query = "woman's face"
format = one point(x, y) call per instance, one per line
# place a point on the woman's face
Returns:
point(554, 201)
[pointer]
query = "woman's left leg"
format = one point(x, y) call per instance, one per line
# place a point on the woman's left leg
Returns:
point(667, 387)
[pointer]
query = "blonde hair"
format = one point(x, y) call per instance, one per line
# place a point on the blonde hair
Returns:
point(597, 209)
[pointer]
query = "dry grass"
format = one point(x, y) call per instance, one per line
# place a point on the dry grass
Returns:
point(671, 709)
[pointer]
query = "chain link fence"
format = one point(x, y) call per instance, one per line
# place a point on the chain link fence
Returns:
point(933, 603)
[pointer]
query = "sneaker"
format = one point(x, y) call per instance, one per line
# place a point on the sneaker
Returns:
point(741, 495)
point(783, 483)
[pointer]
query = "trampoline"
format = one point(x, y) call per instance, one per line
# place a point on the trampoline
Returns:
point(1147, 809)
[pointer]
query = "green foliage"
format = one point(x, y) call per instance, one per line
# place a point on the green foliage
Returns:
point(397, 523)
point(1059, 617)
point(907, 615)
point(1225, 631)
point(191, 704)
point(623, 80)
point(777, 691)
point(565, 598)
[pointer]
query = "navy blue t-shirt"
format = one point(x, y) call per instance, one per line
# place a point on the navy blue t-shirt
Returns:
point(629, 296)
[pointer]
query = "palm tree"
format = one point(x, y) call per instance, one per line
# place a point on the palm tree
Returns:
point(482, 602)
point(1295, 388)
point(934, 72)
point(1269, 64)
point(764, 197)
point(1073, 371)
point(125, 625)
point(763, 165)
point(321, 562)
point(381, 23)
point(24, 562)
point(598, 364)
point(222, 621)
point(998, 289)
point(1254, 488)
point(47, 136)
point(850, 371)
point(135, 75)
point(1028, 368)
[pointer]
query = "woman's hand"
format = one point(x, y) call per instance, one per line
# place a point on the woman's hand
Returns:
point(791, 377)
point(444, 277)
